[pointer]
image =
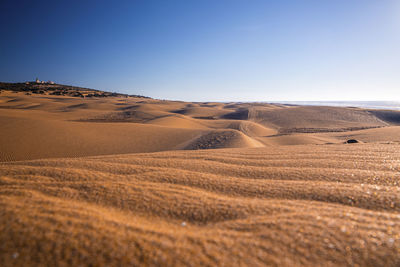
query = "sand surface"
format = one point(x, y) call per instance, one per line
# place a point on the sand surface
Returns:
point(47, 126)
point(129, 181)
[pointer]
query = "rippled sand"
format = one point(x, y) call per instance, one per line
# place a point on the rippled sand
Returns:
point(286, 206)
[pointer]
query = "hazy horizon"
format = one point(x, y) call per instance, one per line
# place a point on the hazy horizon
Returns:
point(208, 50)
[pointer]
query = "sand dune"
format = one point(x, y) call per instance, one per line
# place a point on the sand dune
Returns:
point(31, 138)
point(252, 129)
point(43, 126)
point(178, 122)
point(201, 112)
point(221, 139)
point(225, 184)
point(390, 116)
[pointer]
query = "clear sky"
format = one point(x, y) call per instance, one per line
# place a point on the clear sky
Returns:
point(208, 50)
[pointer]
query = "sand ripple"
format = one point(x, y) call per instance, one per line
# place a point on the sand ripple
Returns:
point(332, 205)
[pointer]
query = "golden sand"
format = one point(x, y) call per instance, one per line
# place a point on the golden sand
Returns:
point(76, 187)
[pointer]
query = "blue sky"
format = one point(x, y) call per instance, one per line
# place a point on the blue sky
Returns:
point(208, 50)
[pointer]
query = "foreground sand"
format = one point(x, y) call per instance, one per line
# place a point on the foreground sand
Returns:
point(78, 185)
point(316, 205)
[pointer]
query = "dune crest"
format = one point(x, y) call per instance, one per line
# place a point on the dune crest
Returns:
point(221, 139)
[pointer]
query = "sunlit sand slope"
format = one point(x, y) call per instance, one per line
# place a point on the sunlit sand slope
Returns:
point(315, 205)
point(48, 126)
point(38, 137)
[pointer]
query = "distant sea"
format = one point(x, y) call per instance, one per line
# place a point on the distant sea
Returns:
point(394, 105)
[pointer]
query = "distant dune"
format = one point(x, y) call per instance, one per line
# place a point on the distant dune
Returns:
point(43, 126)
point(132, 181)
